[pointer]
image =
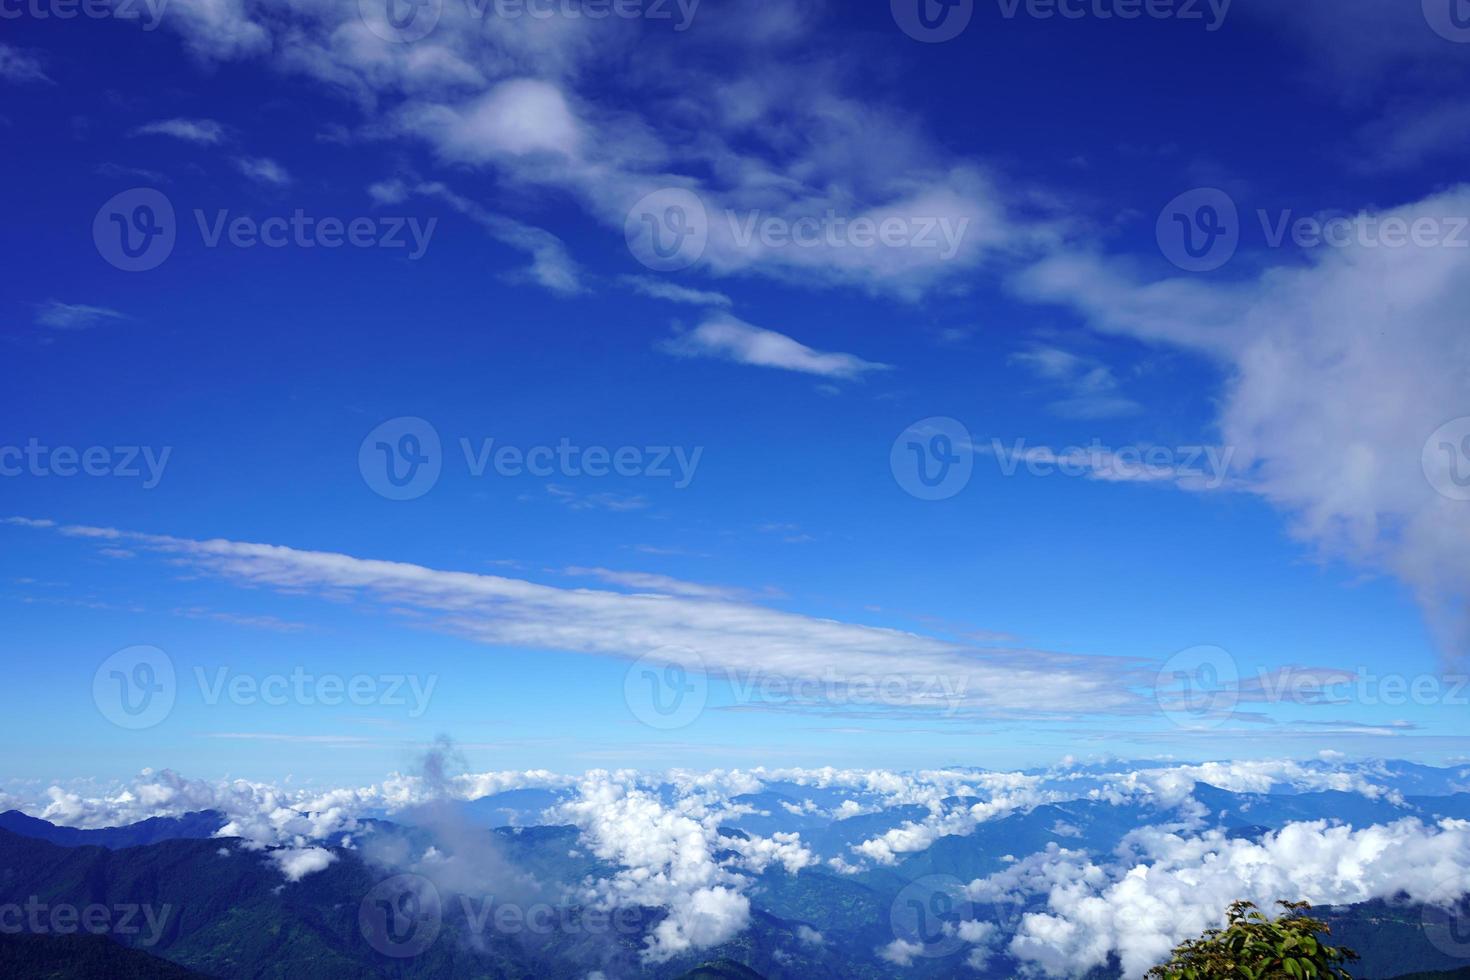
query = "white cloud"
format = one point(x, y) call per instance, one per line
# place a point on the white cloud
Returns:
point(516, 118)
point(297, 863)
point(728, 338)
point(901, 952)
point(263, 170)
point(20, 66)
point(1093, 391)
point(1338, 372)
point(674, 293)
point(918, 672)
point(650, 582)
point(217, 29)
point(192, 130)
point(667, 857)
point(73, 316)
point(551, 266)
point(1166, 887)
point(520, 100)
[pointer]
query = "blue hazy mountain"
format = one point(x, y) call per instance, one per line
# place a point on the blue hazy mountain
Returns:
point(231, 913)
point(198, 825)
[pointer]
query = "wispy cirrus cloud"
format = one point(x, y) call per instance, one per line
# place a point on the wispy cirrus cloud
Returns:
point(652, 582)
point(704, 634)
point(1091, 389)
point(205, 131)
point(74, 316)
point(263, 170)
point(725, 337)
point(17, 65)
point(673, 292)
point(552, 267)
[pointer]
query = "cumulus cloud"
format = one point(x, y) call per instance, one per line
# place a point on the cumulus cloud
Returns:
point(297, 863)
point(515, 118)
point(667, 856)
point(666, 838)
point(1165, 887)
point(1339, 371)
point(901, 952)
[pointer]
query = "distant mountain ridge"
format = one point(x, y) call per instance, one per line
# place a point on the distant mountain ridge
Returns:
point(198, 825)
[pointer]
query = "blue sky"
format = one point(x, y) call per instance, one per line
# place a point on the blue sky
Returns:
point(520, 149)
